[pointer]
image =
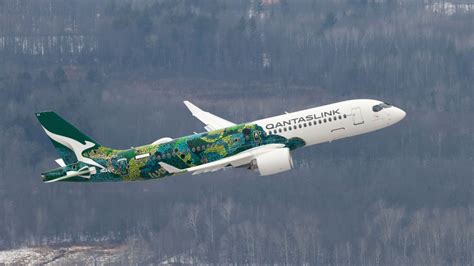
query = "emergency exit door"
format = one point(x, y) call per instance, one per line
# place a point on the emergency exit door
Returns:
point(357, 116)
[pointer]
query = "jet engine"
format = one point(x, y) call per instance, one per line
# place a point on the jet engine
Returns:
point(273, 162)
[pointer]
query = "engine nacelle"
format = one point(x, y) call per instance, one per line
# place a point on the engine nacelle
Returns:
point(274, 162)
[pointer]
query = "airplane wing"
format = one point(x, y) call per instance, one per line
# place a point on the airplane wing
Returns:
point(211, 121)
point(237, 160)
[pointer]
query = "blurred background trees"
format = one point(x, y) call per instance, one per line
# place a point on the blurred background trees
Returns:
point(120, 69)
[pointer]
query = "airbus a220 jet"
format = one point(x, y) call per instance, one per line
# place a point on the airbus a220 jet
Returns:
point(264, 145)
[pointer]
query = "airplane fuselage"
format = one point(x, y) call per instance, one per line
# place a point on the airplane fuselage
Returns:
point(292, 130)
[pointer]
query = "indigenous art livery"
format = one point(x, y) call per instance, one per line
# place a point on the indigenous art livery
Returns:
point(263, 145)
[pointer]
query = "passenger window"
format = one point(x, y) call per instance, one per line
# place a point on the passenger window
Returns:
point(284, 129)
point(325, 120)
point(345, 116)
point(304, 124)
point(320, 121)
point(289, 128)
point(193, 149)
point(294, 127)
point(299, 126)
point(329, 119)
point(279, 130)
point(335, 118)
point(340, 117)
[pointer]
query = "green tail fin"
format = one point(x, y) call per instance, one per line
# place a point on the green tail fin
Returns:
point(68, 140)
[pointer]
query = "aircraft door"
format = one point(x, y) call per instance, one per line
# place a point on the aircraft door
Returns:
point(357, 116)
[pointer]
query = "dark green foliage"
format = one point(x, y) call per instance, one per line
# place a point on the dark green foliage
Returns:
point(94, 76)
point(242, 24)
point(43, 78)
point(144, 23)
point(59, 76)
point(24, 77)
point(329, 21)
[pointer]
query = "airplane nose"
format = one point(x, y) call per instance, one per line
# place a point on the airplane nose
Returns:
point(399, 114)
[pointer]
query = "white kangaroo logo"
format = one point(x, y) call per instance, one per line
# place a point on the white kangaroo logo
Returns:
point(74, 145)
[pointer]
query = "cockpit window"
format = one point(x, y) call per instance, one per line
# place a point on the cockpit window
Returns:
point(377, 108)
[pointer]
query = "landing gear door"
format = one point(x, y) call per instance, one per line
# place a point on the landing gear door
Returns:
point(357, 116)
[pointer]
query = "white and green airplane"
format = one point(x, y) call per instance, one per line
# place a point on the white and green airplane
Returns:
point(264, 145)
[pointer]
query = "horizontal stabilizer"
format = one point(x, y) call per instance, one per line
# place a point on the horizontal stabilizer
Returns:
point(60, 162)
point(84, 172)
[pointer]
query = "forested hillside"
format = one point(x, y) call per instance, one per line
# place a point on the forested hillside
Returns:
point(120, 70)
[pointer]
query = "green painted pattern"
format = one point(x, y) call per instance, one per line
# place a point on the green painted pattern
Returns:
point(182, 153)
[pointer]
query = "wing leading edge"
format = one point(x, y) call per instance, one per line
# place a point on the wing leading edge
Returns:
point(237, 160)
point(211, 121)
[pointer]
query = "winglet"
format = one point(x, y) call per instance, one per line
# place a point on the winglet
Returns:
point(171, 169)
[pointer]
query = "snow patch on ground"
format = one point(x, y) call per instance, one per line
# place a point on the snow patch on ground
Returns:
point(97, 254)
point(448, 8)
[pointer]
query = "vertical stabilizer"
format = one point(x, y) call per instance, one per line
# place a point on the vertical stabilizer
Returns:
point(69, 142)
